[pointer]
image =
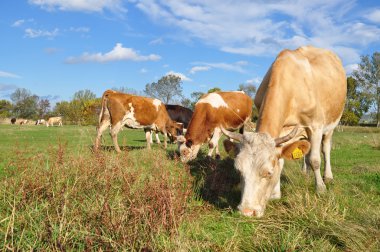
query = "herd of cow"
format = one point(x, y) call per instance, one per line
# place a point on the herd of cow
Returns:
point(300, 102)
point(50, 122)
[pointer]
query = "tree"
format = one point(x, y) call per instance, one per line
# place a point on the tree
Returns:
point(5, 108)
point(25, 104)
point(165, 89)
point(250, 90)
point(215, 89)
point(357, 103)
point(368, 77)
point(43, 107)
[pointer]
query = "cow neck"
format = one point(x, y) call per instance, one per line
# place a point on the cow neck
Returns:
point(197, 129)
point(273, 110)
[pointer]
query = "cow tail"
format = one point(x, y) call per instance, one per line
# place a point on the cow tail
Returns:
point(104, 108)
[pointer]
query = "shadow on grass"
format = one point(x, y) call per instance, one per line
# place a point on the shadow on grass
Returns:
point(216, 181)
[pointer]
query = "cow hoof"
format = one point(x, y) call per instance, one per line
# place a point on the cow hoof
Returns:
point(328, 180)
point(321, 189)
point(217, 157)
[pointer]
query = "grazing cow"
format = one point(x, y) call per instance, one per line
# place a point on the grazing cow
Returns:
point(213, 111)
point(137, 112)
point(178, 114)
point(40, 121)
point(23, 121)
point(304, 89)
point(13, 120)
point(53, 120)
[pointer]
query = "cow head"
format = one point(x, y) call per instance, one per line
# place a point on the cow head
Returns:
point(174, 129)
point(188, 151)
point(258, 160)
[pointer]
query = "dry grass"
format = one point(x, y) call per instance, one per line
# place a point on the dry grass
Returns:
point(107, 201)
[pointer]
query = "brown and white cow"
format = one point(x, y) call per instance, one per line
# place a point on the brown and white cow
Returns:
point(54, 120)
point(137, 112)
point(304, 89)
point(213, 111)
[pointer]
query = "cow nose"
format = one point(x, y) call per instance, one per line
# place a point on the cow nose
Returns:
point(249, 212)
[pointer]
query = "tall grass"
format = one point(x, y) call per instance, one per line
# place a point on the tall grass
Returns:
point(103, 201)
point(57, 195)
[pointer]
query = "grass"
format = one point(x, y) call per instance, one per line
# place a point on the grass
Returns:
point(55, 194)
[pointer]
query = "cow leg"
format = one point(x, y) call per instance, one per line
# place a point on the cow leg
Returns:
point(114, 131)
point(102, 127)
point(326, 149)
point(148, 136)
point(157, 138)
point(165, 140)
point(314, 159)
point(213, 143)
point(276, 194)
point(151, 138)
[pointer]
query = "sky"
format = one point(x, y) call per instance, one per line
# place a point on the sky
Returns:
point(55, 48)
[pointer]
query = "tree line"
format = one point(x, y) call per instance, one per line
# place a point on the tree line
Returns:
point(363, 97)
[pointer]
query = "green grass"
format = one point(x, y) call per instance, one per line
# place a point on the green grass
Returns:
point(58, 195)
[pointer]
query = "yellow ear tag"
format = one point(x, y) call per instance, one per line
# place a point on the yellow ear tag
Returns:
point(297, 153)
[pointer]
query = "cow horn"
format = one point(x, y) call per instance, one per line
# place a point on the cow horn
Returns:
point(286, 138)
point(233, 135)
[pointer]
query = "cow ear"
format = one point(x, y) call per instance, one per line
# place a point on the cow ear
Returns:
point(295, 150)
point(231, 148)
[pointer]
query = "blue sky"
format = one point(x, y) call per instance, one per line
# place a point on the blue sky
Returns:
point(57, 47)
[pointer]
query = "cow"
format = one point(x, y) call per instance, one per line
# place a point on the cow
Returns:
point(13, 120)
point(178, 114)
point(40, 121)
point(213, 111)
point(136, 112)
point(303, 89)
point(24, 121)
point(53, 120)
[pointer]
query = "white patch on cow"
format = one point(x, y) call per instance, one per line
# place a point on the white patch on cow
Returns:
point(215, 100)
point(157, 103)
point(129, 119)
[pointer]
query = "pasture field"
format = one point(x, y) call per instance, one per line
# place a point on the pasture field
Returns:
point(56, 194)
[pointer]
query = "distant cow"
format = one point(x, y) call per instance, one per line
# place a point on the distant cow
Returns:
point(178, 114)
point(40, 121)
point(136, 112)
point(53, 120)
point(305, 87)
point(229, 110)
point(13, 120)
point(23, 121)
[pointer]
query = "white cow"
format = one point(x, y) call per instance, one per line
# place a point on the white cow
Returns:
point(53, 120)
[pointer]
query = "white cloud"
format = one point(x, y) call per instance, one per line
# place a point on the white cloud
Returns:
point(262, 28)
point(79, 29)
point(81, 5)
point(143, 71)
point(8, 75)
point(158, 41)
point(181, 75)
point(32, 33)
point(374, 16)
point(118, 53)
point(205, 66)
point(255, 81)
point(195, 69)
point(350, 68)
point(18, 23)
